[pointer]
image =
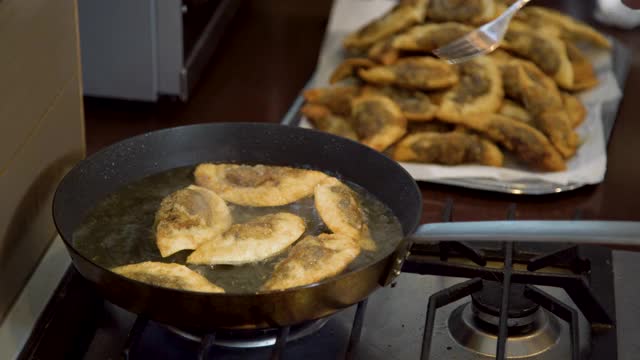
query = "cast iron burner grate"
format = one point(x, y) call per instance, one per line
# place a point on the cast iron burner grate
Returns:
point(578, 282)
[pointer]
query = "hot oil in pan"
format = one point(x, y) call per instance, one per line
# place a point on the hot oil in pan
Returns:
point(119, 230)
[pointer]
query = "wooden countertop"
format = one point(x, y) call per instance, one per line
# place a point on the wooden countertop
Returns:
point(269, 53)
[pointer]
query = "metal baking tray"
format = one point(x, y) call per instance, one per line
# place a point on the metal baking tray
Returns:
point(621, 62)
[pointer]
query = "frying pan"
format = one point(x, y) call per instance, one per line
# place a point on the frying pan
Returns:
point(253, 143)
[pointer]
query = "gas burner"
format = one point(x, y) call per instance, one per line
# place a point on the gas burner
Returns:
point(253, 338)
point(544, 334)
point(522, 312)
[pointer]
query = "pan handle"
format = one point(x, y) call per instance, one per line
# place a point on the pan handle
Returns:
point(619, 235)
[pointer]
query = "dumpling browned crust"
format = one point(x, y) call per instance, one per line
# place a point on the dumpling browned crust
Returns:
point(542, 99)
point(384, 52)
point(479, 91)
point(415, 105)
point(323, 120)
point(336, 98)
point(510, 108)
point(572, 29)
point(400, 18)
point(313, 259)
point(467, 11)
point(547, 52)
point(349, 67)
point(424, 73)
point(429, 126)
point(174, 276)
point(527, 143)
point(576, 110)
point(250, 242)
point(340, 210)
point(378, 121)
point(584, 74)
point(429, 37)
point(189, 217)
point(454, 148)
point(258, 185)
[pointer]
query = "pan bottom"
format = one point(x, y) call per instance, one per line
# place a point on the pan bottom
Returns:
point(254, 338)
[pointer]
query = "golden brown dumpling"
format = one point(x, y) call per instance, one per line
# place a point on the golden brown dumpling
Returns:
point(378, 121)
point(425, 73)
point(174, 276)
point(323, 120)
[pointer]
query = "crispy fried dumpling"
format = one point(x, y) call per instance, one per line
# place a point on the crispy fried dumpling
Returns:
point(258, 185)
point(340, 210)
point(313, 259)
point(527, 143)
point(542, 99)
point(512, 109)
point(424, 73)
point(415, 105)
point(253, 241)
point(188, 217)
point(378, 121)
point(429, 37)
point(452, 148)
point(466, 11)
point(173, 276)
point(478, 91)
point(576, 110)
point(349, 68)
point(336, 98)
point(584, 74)
point(323, 120)
point(384, 52)
point(429, 126)
point(399, 18)
point(547, 52)
point(572, 29)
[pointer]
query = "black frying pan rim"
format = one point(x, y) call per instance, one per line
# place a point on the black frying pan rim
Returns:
point(317, 133)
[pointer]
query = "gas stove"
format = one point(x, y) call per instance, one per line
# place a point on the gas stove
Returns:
point(560, 300)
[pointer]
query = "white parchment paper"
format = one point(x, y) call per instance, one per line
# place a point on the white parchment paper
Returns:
point(588, 166)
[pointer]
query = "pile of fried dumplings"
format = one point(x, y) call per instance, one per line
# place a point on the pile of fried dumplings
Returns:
point(391, 94)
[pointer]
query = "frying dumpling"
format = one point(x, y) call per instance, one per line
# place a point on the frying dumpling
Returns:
point(527, 143)
point(510, 108)
point(324, 120)
point(430, 36)
point(415, 105)
point(313, 259)
point(584, 74)
point(336, 98)
point(173, 276)
point(572, 29)
point(399, 18)
point(349, 68)
point(424, 73)
point(466, 11)
point(454, 148)
point(258, 185)
point(188, 217)
point(576, 110)
point(255, 240)
point(548, 52)
point(340, 210)
point(378, 121)
point(478, 91)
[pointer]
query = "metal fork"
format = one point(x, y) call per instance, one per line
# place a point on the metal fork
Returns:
point(481, 41)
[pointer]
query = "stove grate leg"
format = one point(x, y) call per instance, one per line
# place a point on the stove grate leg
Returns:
point(356, 330)
point(440, 299)
point(205, 346)
point(134, 336)
point(281, 342)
